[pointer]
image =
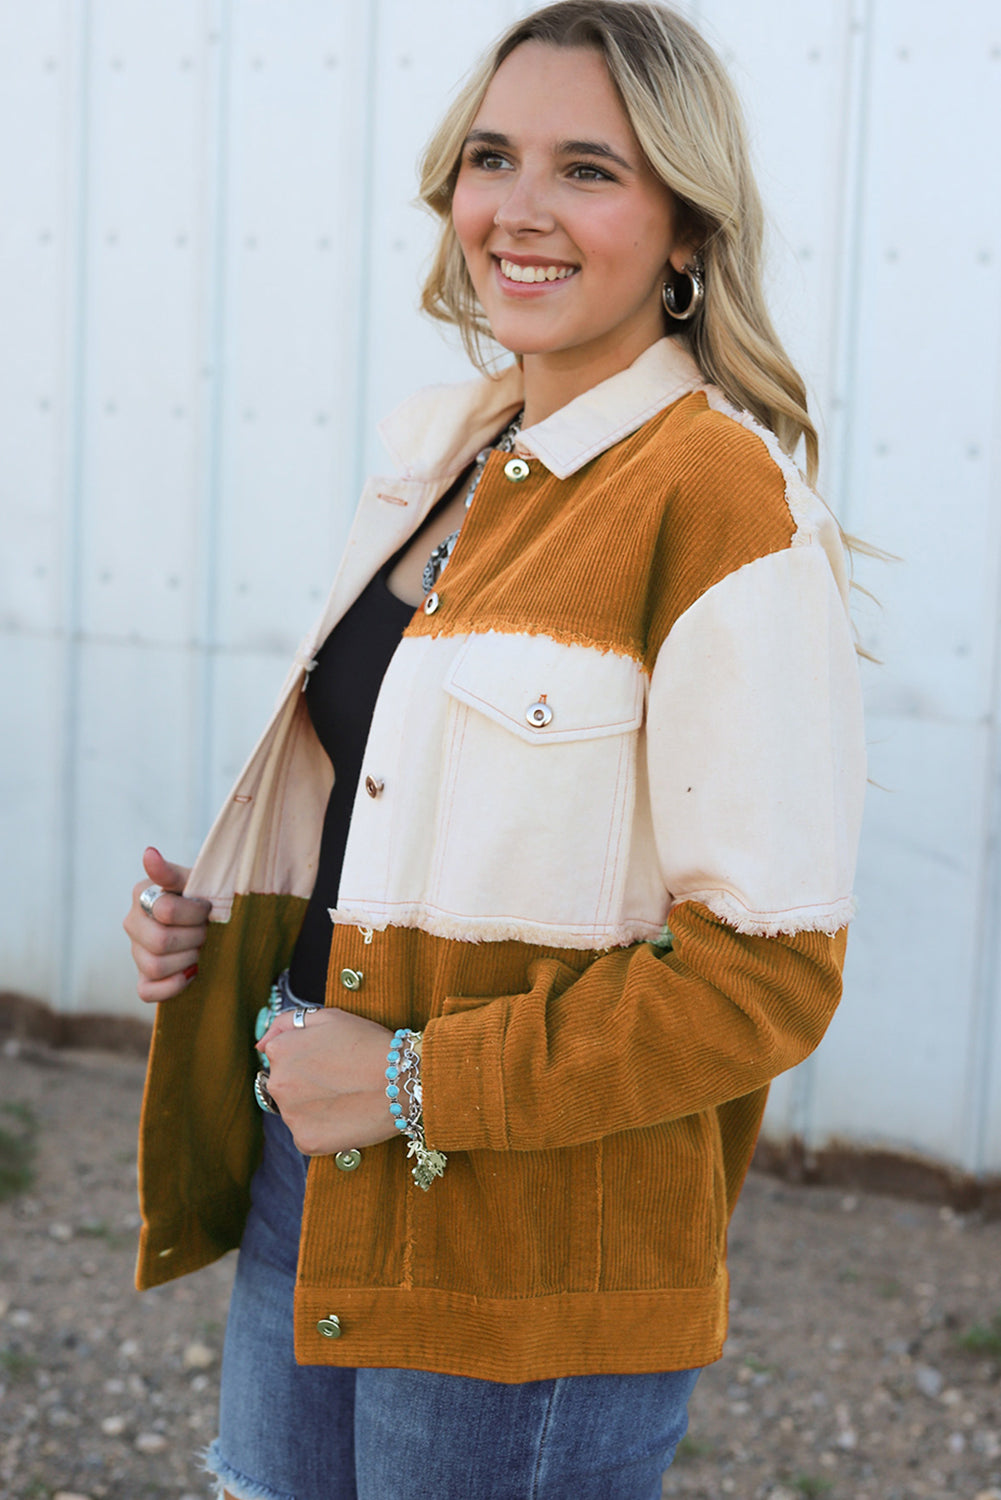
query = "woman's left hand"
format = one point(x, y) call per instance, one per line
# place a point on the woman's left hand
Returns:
point(328, 1078)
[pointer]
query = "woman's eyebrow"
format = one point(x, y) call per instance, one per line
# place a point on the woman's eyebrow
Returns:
point(601, 149)
point(487, 138)
point(593, 148)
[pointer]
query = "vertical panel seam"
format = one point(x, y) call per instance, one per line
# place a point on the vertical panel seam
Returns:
point(67, 852)
point(366, 220)
point(207, 643)
point(846, 324)
point(844, 339)
point(987, 981)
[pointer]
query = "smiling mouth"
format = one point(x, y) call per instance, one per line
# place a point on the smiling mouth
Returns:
point(528, 274)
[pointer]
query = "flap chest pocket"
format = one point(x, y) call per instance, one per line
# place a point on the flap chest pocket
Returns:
point(546, 692)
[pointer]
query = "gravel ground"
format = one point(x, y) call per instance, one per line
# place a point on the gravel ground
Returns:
point(864, 1358)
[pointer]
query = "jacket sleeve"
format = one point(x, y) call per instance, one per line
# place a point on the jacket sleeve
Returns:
point(755, 766)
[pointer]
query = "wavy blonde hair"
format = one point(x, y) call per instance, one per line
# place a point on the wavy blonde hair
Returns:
point(689, 123)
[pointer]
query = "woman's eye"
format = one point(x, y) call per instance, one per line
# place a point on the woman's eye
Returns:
point(585, 171)
point(491, 161)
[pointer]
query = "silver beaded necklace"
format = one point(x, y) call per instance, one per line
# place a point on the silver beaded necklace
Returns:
point(436, 563)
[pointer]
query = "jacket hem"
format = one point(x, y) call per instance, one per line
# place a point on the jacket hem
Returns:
point(829, 918)
point(512, 1340)
point(185, 1245)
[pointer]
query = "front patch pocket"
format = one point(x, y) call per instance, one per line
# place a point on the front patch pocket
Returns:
point(538, 787)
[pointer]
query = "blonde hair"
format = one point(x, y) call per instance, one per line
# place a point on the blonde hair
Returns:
point(688, 121)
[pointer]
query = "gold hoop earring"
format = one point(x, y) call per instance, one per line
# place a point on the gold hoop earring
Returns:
point(669, 293)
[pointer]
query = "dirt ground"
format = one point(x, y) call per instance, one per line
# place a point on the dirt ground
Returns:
point(864, 1357)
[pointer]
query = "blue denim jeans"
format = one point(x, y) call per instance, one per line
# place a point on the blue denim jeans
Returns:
point(301, 1432)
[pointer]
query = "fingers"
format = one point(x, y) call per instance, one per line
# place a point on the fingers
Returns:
point(166, 942)
point(152, 991)
point(284, 1021)
point(176, 923)
point(172, 908)
point(169, 951)
point(330, 1015)
point(162, 872)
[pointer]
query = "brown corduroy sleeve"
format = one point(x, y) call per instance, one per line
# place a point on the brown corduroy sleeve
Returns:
point(641, 1037)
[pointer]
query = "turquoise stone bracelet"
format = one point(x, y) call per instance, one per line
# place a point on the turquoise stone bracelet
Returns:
point(403, 1075)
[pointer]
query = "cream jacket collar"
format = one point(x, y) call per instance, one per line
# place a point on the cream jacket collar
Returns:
point(430, 437)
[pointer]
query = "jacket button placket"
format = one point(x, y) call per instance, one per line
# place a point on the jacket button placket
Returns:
point(348, 1160)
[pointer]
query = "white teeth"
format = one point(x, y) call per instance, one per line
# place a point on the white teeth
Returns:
point(535, 273)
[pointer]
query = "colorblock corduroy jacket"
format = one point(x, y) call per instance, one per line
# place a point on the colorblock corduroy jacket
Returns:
point(601, 853)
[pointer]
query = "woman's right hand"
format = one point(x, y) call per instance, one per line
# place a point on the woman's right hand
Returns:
point(165, 945)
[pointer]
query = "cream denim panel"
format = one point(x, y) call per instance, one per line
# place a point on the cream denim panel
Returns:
point(266, 836)
point(757, 748)
point(488, 828)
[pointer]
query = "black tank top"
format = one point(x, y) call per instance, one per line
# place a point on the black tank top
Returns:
point(343, 687)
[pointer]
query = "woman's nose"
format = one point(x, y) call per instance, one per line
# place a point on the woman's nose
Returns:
point(525, 207)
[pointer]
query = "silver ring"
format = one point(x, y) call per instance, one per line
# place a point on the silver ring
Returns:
point(301, 1012)
point(149, 897)
point(262, 1095)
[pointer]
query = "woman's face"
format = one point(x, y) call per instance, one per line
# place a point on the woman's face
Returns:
point(566, 231)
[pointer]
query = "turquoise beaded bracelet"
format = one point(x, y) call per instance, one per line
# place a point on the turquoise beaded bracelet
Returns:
point(393, 1073)
point(403, 1076)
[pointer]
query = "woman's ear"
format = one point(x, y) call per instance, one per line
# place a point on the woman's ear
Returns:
point(682, 256)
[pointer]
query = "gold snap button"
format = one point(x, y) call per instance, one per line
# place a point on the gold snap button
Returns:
point(431, 604)
point(516, 469)
point(347, 1161)
point(330, 1326)
point(539, 714)
point(373, 785)
point(351, 979)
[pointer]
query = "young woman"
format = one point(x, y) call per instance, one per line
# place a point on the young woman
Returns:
point(579, 888)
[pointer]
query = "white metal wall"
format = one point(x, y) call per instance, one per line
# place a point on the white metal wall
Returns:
point(208, 274)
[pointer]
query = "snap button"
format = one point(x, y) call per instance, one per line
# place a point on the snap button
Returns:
point(431, 604)
point(346, 1161)
point(373, 786)
point(516, 469)
point(351, 979)
point(539, 714)
point(330, 1326)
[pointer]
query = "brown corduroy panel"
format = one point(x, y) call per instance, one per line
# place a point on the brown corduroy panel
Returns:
point(611, 557)
point(200, 1132)
point(596, 1145)
point(640, 1037)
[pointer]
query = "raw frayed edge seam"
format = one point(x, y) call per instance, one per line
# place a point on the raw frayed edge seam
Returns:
point(240, 1486)
point(826, 919)
point(497, 929)
point(798, 493)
